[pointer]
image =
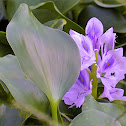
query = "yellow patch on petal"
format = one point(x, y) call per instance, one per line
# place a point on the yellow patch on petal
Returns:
point(85, 47)
point(108, 64)
point(81, 79)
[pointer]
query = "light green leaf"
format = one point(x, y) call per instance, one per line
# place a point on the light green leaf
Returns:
point(94, 118)
point(110, 3)
point(10, 116)
point(49, 57)
point(109, 18)
point(111, 109)
point(57, 23)
point(28, 96)
point(87, 1)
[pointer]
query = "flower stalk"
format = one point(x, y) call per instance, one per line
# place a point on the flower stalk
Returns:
point(94, 77)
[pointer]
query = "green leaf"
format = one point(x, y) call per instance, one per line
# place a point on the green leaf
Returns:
point(109, 18)
point(111, 109)
point(70, 112)
point(28, 96)
point(62, 5)
point(4, 50)
point(110, 3)
point(87, 1)
point(94, 118)
point(42, 10)
point(10, 116)
point(49, 57)
point(2, 10)
point(57, 23)
point(4, 46)
point(48, 11)
point(5, 95)
point(120, 40)
point(3, 39)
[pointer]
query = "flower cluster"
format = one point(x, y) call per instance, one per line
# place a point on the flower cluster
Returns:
point(111, 65)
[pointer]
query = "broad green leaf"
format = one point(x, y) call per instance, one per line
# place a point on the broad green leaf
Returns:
point(108, 108)
point(57, 23)
point(5, 49)
point(110, 3)
point(94, 118)
point(3, 39)
point(48, 11)
point(87, 1)
point(109, 18)
point(42, 10)
point(62, 5)
point(49, 57)
point(10, 116)
point(28, 96)
point(4, 46)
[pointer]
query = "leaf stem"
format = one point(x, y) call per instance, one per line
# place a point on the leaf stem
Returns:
point(54, 108)
point(94, 77)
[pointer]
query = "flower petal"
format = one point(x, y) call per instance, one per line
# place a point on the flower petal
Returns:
point(113, 94)
point(94, 29)
point(84, 44)
point(76, 94)
point(111, 59)
point(108, 39)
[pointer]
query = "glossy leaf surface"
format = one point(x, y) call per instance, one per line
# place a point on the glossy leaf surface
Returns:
point(109, 108)
point(109, 18)
point(49, 57)
point(10, 116)
point(26, 94)
point(94, 118)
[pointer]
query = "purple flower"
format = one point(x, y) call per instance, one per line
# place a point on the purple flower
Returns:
point(111, 65)
point(94, 29)
point(113, 94)
point(107, 41)
point(76, 94)
point(84, 44)
point(112, 68)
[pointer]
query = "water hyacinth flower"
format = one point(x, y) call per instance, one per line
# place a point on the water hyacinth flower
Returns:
point(76, 94)
point(84, 44)
point(111, 64)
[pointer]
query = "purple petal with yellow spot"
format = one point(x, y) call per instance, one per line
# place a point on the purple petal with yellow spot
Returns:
point(111, 59)
point(84, 44)
point(88, 55)
point(112, 68)
point(76, 94)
